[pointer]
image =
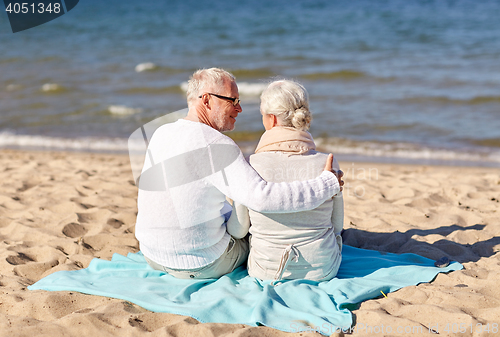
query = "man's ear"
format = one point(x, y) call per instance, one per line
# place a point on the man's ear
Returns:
point(205, 99)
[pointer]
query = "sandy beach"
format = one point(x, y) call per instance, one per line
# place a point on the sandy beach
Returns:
point(59, 210)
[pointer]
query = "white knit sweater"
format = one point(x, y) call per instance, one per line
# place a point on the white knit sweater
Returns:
point(189, 170)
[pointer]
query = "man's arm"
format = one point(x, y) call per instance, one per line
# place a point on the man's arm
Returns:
point(240, 182)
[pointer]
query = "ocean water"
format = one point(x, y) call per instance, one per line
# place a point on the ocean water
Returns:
point(388, 79)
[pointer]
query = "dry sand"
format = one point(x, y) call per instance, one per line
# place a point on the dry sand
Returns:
point(60, 210)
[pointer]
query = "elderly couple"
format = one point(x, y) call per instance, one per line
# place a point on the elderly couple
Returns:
point(287, 196)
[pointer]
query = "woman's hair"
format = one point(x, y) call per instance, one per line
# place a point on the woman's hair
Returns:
point(207, 79)
point(289, 102)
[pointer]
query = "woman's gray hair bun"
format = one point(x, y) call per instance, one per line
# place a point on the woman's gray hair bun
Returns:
point(301, 118)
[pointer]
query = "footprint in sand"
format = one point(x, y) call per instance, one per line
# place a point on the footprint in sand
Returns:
point(98, 216)
point(137, 323)
point(74, 230)
point(26, 186)
point(115, 223)
point(18, 259)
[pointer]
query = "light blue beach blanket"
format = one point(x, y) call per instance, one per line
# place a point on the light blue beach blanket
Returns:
point(293, 306)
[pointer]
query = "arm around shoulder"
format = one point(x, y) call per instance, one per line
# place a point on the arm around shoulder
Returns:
point(240, 182)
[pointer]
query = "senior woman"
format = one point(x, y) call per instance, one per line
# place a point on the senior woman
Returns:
point(301, 245)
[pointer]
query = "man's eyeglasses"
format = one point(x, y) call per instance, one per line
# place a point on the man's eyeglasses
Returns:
point(235, 100)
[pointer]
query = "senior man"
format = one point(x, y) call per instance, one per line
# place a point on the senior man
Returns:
point(182, 228)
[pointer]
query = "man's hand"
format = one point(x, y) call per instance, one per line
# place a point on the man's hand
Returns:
point(339, 174)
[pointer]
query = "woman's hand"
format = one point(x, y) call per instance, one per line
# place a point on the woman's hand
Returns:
point(339, 174)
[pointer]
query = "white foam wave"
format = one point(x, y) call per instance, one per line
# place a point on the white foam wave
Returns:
point(13, 87)
point(184, 86)
point(123, 110)
point(145, 67)
point(336, 146)
point(48, 87)
point(406, 151)
point(244, 88)
point(90, 144)
point(251, 89)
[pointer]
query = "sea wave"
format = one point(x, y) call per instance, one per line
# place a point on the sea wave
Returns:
point(122, 110)
point(408, 151)
point(151, 90)
point(146, 66)
point(10, 139)
point(52, 88)
point(13, 87)
point(343, 75)
point(153, 67)
point(447, 100)
point(251, 89)
point(88, 144)
point(491, 142)
point(483, 153)
point(363, 150)
point(252, 73)
point(12, 60)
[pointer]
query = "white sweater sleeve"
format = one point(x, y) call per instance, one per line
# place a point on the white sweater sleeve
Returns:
point(240, 182)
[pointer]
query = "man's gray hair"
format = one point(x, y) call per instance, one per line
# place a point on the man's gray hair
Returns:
point(207, 80)
point(289, 102)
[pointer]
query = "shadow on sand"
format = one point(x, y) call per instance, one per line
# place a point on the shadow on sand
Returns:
point(408, 242)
